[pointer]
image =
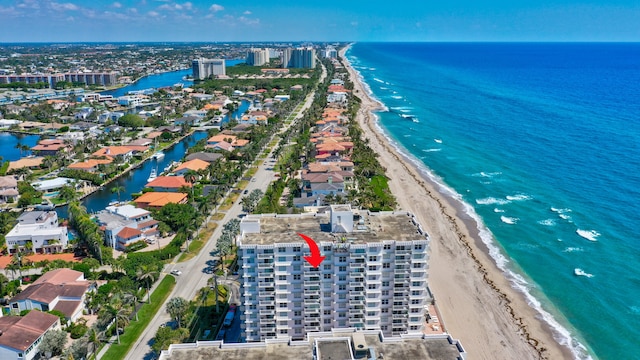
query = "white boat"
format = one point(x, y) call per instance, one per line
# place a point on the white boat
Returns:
point(152, 176)
point(158, 155)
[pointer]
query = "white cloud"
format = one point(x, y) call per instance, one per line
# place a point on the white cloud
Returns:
point(188, 5)
point(248, 21)
point(216, 8)
point(165, 7)
point(247, 12)
point(116, 5)
point(153, 13)
point(63, 6)
point(29, 4)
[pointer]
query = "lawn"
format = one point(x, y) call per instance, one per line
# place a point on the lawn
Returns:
point(147, 311)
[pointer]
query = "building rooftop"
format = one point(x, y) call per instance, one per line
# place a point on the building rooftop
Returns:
point(335, 345)
point(21, 332)
point(266, 229)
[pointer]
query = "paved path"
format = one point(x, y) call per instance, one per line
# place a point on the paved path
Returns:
point(196, 272)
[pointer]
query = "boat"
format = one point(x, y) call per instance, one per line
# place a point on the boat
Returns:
point(168, 167)
point(158, 155)
point(153, 175)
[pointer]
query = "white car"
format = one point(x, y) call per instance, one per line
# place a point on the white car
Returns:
point(176, 272)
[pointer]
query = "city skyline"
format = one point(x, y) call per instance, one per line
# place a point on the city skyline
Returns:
point(223, 21)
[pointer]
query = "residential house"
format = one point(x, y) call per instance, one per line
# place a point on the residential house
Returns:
point(156, 200)
point(209, 157)
point(126, 224)
point(124, 153)
point(83, 126)
point(22, 335)
point(110, 116)
point(40, 231)
point(84, 113)
point(189, 120)
point(51, 147)
point(195, 165)
point(8, 189)
point(221, 137)
point(322, 183)
point(222, 145)
point(91, 165)
point(141, 142)
point(168, 183)
point(255, 118)
point(63, 290)
point(28, 162)
point(55, 184)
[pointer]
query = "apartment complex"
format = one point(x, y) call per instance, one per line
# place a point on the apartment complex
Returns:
point(374, 276)
point(257, 57)
point(204, 68)
point(304, 58)
point(88, 78)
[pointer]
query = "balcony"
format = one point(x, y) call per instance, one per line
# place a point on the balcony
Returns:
point(265, 312)
point(265, 265)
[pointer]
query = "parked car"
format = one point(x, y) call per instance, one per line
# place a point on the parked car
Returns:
point(176, 272)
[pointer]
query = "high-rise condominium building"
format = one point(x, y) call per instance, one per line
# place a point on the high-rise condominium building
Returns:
point(374, 276)
point(204, 68)
point(257, 57)
point(299, 58)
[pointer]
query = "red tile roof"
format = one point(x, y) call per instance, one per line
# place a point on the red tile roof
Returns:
point(195, 164)
point(60, 276)
point(128, 233)
point(21, 332)
point(172, 182)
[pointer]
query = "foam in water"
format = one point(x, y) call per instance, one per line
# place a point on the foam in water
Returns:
point(572, 249)
point(380, 81)
point(547, 222)
point(509, 220)
point(487, 174)
point(496, 210)
point(439, 141)
point(590, 235)
point(519, 197)
point(432, 150)
point(580, 272)
point(396, 97)
point(492, 201)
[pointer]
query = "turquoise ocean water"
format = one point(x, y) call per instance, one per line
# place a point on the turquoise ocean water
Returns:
point(542, 142)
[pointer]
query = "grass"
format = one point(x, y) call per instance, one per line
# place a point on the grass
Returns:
point(217, 217)
point(135, 328)
point(252, 171)
point(194, 249)
point(242, 184)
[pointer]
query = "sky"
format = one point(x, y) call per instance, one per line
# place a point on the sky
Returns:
point(314, 20)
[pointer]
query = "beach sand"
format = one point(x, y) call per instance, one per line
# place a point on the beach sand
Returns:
point(475, 299)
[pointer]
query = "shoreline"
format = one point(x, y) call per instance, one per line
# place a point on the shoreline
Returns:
point(478, 303)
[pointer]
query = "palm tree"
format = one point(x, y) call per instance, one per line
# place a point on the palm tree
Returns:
point(48, 162)
point(177, 307)
point(131, 298)
point(191, 176)
point(147, 275)
point(93, 339)
point(117, 189)
point(120, 315)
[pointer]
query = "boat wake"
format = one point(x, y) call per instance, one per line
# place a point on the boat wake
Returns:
point(580, 272)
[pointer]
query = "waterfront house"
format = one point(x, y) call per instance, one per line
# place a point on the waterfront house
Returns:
point(91, 165)
point(156, 200)
point(323, 184)
point(83, 126)
point(63, 290)
point(8, 189)
point(51, 147)
point(195, 165)
point(168, 183)
point(190, 120)
point(222, 145)
point(209, 157)
point(126, 224)
point(52, 185)
point(221, 137)
point(123, 153)
point(22, 335)
point(38, 230)
point(141, 142)
point(28, 162)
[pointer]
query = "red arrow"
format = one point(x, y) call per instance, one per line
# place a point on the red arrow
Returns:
point(315, 259)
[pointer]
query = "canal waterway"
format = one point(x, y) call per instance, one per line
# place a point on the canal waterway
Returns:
point(160, 80)
point(8, 142)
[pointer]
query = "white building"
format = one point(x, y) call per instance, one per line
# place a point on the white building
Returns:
point(204, 68)
point(126, 224)
point(374, 276)
point(131, 100)
point(257, 57)
point(41, 229)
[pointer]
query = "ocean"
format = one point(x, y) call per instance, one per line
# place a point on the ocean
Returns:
point(542, 142)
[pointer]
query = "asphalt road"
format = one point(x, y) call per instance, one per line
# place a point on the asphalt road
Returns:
point(196, 271)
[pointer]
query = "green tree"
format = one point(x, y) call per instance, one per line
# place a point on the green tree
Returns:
point(147, 275)
point(53, 342)
point(131, 121)
point(117, 190)
point(177, 308)
point(67, 193)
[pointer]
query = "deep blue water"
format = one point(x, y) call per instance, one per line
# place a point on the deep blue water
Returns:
point(161, 80)
point(543, 142)
point(8, 143)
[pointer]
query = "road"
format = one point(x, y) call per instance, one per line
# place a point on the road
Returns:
point(196, 272)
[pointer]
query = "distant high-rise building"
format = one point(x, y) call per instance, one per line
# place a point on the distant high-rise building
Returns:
point(330, 52)
point(88, 78)
point(257, 57)
point(204, 68)
point(304, 58)
point(373, 277)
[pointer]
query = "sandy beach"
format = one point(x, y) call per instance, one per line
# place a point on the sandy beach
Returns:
point(477, 303)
